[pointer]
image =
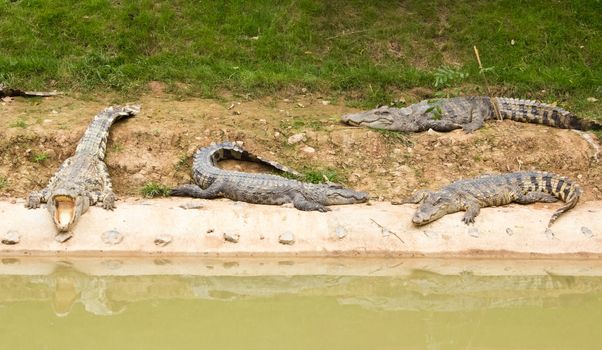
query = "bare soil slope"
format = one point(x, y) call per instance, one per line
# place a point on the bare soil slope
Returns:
point(36, 135)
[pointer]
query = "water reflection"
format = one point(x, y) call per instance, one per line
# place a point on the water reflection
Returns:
point(103, 290)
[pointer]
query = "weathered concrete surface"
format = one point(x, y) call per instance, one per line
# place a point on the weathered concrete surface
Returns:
point(374, 229)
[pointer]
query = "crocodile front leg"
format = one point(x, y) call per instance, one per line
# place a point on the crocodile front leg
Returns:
point(36, 198)
point(472, 210)
point(301, 203)
point(107, 196)
point(416, 198)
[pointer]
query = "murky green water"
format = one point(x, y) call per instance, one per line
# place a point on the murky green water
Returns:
point(67, 305)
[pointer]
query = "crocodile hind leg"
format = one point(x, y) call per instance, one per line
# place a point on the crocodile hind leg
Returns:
point(533, 197)
point(302, 203)
point(192, 190)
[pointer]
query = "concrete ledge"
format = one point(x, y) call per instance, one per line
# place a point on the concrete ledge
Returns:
point(378, 229)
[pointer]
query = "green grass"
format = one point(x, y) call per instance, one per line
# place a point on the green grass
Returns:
point(366, 51)
point(3, 182)
point(39, 157)
point(153, 189)
point(321, 176)
point(392, 137)
point(19, 123)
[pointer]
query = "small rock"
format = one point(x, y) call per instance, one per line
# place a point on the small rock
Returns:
point(210, 231)
point(300, 105)
point(473, 232)
point(11, 237)
point(191, 205)
point(229, 237)
point(308, 149)
point(340, 231)
point(296, 138)
point(592, 99)
point(287, 238)
point(325, 102)
point(509, 231)
point(63, 237)
point(163, 240)
point(230, 106)
point(586, 231)
point(236, 112)
point(112, 237)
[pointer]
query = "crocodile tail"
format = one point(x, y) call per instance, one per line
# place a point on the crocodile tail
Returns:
point(95, 137)
point(529, 111)
point(231, 150)
point(558, 186)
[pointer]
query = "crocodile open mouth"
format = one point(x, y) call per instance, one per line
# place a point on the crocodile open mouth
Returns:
point(64, 211)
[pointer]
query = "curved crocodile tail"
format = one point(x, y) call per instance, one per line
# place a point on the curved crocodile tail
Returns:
point(231, 150)
point(529, 111)
point(95, 138)
point(560, 187)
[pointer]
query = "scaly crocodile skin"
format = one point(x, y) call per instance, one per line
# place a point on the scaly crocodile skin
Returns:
point(212, 182)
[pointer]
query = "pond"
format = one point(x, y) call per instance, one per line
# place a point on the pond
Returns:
point(299, 304)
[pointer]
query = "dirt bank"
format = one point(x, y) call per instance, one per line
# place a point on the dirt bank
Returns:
point(37, 135)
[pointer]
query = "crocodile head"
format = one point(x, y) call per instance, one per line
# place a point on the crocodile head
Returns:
point(434, 206)
point(66, 206)
point(379, 118)
point(336, 194)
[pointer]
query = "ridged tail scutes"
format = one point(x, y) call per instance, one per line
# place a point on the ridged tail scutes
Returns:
point(530, 111)
point(95, 137)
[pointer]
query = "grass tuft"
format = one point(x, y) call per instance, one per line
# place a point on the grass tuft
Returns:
point(3, 182)
point(19, 123)
point(153, 189)
point(321, 176)
point(40, 157)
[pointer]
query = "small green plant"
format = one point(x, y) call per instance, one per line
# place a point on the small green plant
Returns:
point(117, 148)
point(445, 75)
point(19, 123)
point(437, 112)
point(321, 176)
point(153, 189)
point(391, 136)
point(3, 182)
point(40, 157)
point(182, 162)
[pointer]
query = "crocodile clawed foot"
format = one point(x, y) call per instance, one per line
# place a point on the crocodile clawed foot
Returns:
point(468, 220)
point(108, 202)
point(33, 201)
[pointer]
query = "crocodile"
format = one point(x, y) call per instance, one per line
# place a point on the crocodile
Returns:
point(83, 179)
point(10, 92)
point(468, 114)
point(212, 182)
point(494, 190)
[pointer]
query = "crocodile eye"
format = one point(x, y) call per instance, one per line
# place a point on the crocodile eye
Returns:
point(438, 201)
